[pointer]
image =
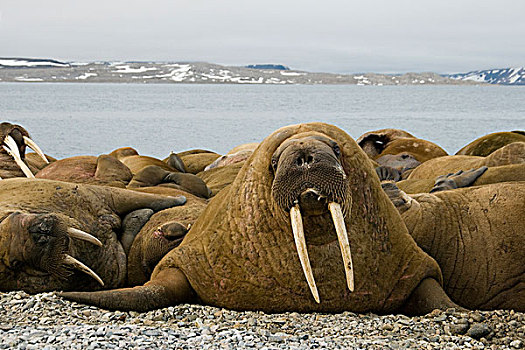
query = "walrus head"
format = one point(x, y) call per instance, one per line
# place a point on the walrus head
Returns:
point(14, 140)
point(40, 246)
point(310, 180)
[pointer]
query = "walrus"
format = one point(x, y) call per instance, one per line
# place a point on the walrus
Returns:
point(228, 159)
point(161, 233)
point(218, 178)
point(472, 177)
point(487, 144)
point(374, 142)
point(102, 170)
point(305, 226)
point(196, 160)
point(513, 153)
point(476, 235)
point(153, 175)
point(14, 140)
point(62, 236)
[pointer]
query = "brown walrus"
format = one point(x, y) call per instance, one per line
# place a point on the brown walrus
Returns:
point(487, 144)
point(50, 229)
point(513, 153)
point(476, 235)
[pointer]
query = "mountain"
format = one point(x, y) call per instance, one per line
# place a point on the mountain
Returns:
point(14, 62)
point(268, 66)
point(48, 70)
point(504, 76)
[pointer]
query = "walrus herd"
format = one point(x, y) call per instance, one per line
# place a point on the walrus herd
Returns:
point(308, 220)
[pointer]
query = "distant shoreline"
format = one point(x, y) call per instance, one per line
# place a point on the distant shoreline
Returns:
point(28, 71)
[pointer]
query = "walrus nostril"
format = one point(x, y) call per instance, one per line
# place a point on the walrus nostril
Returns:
point(304, 159)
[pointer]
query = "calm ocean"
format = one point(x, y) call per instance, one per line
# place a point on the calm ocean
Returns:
point(92, 119)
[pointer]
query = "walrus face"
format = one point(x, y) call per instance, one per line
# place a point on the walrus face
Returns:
point(14, 140)
point(308, 173)
point(38, 245)
point(402, 162)
point(309, 180)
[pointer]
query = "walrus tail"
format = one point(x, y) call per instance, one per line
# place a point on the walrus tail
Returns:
point(170, 287)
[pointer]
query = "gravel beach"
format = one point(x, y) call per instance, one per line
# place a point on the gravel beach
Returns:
point(45, 321)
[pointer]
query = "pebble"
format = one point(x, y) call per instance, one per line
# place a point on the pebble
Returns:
point(45, 321)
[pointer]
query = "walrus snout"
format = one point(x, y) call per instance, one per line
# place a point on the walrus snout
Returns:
point(308, 171)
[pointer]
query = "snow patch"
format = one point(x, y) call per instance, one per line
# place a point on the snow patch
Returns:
point(127, 69)
point(28, 79)
point(86, 75)
point(291, 74)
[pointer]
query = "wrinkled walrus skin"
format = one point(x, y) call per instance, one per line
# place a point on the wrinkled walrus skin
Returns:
point(35, 215)
point(240, 254)
point(477, 236)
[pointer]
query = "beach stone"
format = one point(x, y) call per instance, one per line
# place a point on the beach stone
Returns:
point(478, 331)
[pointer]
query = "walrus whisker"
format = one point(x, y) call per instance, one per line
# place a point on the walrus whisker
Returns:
point(12, 149)
point(79, 234)
point(69, 260)
point(300, 243)
point(342, 236)
point(32, 144)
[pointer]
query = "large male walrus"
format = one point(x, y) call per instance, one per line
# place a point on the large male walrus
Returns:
point(305, 226)
point(51, 229)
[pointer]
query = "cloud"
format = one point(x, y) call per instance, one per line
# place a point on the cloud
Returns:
point(332, 35)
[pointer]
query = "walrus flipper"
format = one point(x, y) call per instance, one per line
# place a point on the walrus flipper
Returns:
point(170, 287)
point(457, 180)
point(126, 201)
point(427, 296)
point(386, 173)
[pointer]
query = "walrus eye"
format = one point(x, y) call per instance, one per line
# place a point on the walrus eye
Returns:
point(274, 164)
point(337, 150)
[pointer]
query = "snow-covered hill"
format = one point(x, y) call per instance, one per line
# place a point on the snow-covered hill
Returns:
point(29, 62)
point(42, 70)
point(504, 76)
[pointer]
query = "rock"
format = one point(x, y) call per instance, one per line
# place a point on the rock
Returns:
point(460, 328)
point(478, 331)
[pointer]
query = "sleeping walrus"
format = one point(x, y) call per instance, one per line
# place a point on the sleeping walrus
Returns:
point(60, 236)
point(305, 226)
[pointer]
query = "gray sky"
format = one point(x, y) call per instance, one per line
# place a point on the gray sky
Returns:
point(323, 35)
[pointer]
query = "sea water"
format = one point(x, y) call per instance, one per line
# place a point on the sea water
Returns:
point(92, 119)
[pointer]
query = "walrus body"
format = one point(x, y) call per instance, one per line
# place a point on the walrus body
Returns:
point(513, 153)
point(487, 144)
point(102, 170)
point(476, 235)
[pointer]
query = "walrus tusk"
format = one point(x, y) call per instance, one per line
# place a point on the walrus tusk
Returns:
point(32, 144)
point(300, 243)
point(342, 236)
point(12, 149)
point(69, 260)
point(79, 234)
